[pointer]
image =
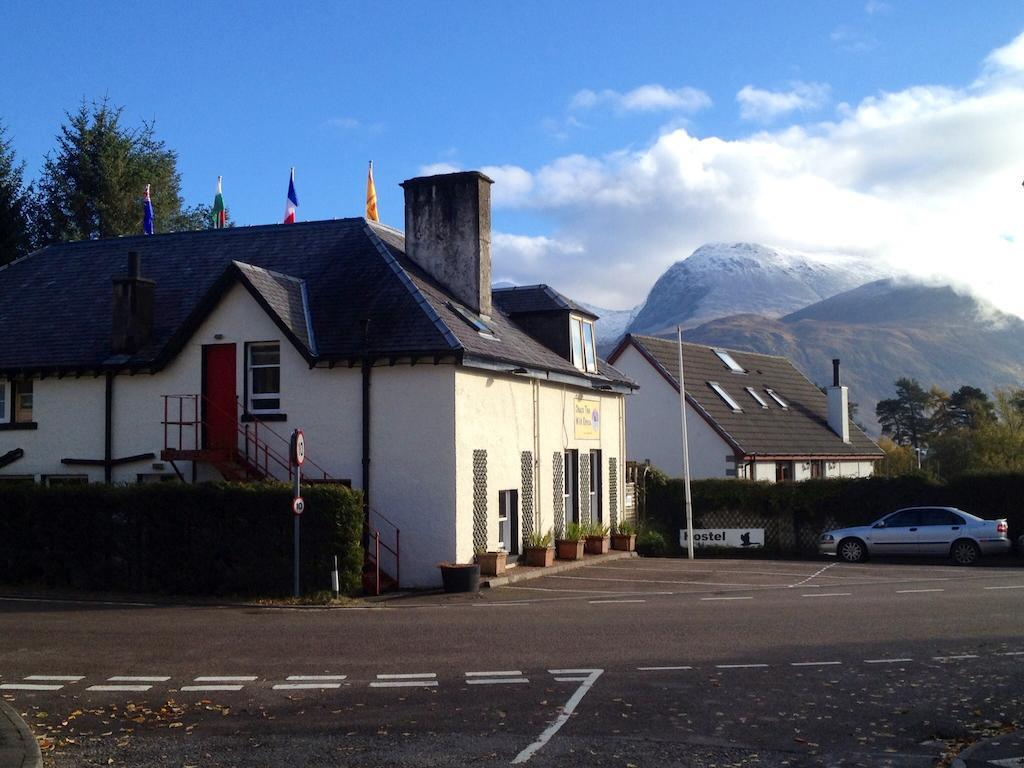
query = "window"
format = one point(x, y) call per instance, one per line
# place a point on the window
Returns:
point(774, 396)
point(22, 401)
point(731, 364)
point(570, 483)
point(3, 402)
point(941, 517)
point(264, 377)
point(757, 397)
point(581, 336)
point(725, 396)
point(474, 321)
point(596, 512)
point(508, 521)
point(783, 471)
point(817, 469)
point(52, 480)
point(904, 518)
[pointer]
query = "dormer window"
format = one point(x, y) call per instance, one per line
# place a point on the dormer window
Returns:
point(581, 336)
point(730, 363)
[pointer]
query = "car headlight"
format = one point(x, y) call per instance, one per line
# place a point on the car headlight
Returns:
point(827, 538)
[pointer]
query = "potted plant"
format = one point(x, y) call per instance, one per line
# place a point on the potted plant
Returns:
point(570, 545)
point(538, 549)
point(492, 563)
point(624, 537)
point(597, 539)
point(460, 577)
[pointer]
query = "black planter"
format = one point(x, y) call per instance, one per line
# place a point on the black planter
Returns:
point(461, 578)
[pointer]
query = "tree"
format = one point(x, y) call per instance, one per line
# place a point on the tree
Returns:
point(92, 184)
point(15, 204)
point(969, 407)
point(906, 418)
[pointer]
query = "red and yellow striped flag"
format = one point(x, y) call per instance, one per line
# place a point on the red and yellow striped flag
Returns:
point(371, 196)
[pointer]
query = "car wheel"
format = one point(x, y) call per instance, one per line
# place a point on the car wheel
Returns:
point(852, 550)
point(964, 552)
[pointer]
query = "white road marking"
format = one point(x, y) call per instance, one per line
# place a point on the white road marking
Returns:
point(814, 663)
point(304, 686)
point(827, 594)
point(226, 679)
point(506, 673)
point(29, 687)
point(410, 680)
point(501, 604)
point(211, 687)
point(315, 678)
point(1010, 653)
point(139, 679)
point(885, 661)
point(669, 581)
point(740, 666)
point(911, 591)
point(956, 658)
point(574, 679)
point(56, 678)
point(606, 602)
point(119, 687)
point(414, 675)
point(496, 680)
point(816, 573)
point(662, 669)
point(1008, 586)
point(86, 602)
point(570, 706)
point(727, 598)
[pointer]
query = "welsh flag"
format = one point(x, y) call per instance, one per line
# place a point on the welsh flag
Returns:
point(219, 214)
point(293, 201)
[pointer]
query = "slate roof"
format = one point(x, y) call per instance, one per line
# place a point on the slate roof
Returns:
point(801, 430)
point(320, 281)
point(530, 299)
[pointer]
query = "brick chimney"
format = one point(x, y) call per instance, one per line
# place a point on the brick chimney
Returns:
point(838, 405)
point(133, 309)
point(448, 233)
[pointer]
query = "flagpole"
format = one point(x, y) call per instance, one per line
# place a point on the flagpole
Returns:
point(686, 446)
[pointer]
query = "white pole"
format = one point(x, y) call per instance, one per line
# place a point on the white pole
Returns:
point(686, 446)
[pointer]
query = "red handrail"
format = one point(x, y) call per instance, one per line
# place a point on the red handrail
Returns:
point(395, 551)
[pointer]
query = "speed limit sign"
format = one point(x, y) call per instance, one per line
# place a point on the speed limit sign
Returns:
point(298, 448)
point(298, 505)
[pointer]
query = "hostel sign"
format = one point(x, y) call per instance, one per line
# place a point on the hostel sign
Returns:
point(587, 417)
point(740, 538)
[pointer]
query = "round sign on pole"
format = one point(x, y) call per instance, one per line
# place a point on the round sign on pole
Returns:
point(298, 505)
point(298, 448)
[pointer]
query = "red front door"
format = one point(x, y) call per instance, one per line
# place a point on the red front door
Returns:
point(220, 407)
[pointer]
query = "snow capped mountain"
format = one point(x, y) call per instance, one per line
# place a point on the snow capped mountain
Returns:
point(722, 279)
point(611, 324)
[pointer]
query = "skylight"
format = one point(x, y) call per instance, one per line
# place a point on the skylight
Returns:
point(725, 396)
point(753, 394)
point(774, 396)
point(473, 320)
point(731, 364)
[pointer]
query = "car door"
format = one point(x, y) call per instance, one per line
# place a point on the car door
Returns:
point(939, 528)
point(898, 535)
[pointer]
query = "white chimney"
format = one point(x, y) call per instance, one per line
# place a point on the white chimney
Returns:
point(448, 233)
point(838, 406)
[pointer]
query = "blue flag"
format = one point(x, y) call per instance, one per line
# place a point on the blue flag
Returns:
point(147, 214)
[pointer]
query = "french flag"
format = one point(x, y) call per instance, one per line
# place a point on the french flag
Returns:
point(293, 201)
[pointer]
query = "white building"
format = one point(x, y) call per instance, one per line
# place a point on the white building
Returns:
point(747, 415)
point(468, 419)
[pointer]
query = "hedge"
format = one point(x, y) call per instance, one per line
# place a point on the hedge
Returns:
point(794, 514)
point(173, 538)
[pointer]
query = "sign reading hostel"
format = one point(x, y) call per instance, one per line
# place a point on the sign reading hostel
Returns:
point(740, 538)
point(587, 416)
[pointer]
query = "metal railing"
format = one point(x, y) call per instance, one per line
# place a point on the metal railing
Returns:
point(375, 522)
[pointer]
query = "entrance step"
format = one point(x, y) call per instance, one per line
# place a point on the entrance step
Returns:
point(525, 572)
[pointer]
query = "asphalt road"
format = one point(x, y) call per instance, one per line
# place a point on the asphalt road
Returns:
point(661, 662)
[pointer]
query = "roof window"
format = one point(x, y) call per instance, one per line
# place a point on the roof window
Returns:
point(730, 363)
point(774, 396)
point(472, 319)
point(725, 396)
point(757, 397)
point(581, 337)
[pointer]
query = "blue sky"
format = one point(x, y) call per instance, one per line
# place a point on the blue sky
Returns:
point(603, 124)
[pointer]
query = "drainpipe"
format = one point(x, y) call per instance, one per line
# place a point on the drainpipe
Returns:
point(537, 524)
point(108, 430)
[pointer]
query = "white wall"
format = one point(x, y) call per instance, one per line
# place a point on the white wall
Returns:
point(654, 431)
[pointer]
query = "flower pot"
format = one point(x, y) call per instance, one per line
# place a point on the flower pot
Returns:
point(460, 578)
point(626, 542)
point(492, 563)
point(570, 550)
point(540, 557)
point(597, 545)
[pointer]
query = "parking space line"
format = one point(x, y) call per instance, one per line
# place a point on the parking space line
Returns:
point(728, 598)
point(1008, 586)
point(911, 591)
point(213, 687)
point(226, 679)
point(956, 658)
point(885, 661)
point(30, 687)
point(505, 673)
point(316, 678)
point(138, 688)
point(814, 663)
point(740, 666)
point(828, 594)
point(1010, 653)
point(605, 602)
point(409, 680)
point(670, 581)
point(56, 678)
point(663, 669)
point(496, 680)
point(305, 686)
point(139, 679)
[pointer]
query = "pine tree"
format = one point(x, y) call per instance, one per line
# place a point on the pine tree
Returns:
point(15, 204)
point(92, 183)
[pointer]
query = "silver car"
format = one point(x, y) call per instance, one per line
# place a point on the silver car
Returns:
point(937, 531)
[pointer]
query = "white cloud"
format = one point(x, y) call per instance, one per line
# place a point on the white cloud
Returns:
point(873, 7)
point(765, 106)
point(435, 169)
point(512, 184)
point(927, 179)
point(646, 98)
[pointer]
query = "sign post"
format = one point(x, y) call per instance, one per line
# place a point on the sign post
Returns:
point(298, 456)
